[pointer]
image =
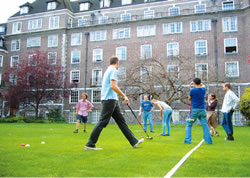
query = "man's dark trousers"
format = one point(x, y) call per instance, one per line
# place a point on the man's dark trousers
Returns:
point(111, 108)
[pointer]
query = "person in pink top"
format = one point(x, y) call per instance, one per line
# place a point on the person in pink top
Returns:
point(82, 108)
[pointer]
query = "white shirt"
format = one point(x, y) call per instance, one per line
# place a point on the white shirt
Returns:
point(230, 101)
point(163, 105)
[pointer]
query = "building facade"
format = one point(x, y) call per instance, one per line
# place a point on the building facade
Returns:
point(83, 34)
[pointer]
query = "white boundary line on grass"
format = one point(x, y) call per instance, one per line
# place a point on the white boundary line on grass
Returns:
point(178, 165)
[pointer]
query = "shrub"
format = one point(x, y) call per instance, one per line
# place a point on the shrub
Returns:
point(245, 104)
point(55, 115)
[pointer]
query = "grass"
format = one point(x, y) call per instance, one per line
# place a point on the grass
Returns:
point(63, 154)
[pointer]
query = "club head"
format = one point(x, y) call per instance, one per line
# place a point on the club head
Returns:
point(149, 138)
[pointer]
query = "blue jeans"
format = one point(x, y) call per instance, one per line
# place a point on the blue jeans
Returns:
point(167, 113)
point(148, 115)
point(227, 122)
point(202, 116)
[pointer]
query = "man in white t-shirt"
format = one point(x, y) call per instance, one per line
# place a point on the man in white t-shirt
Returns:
point(230, 102)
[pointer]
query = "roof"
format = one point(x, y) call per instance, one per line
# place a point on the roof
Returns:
point(40, 6)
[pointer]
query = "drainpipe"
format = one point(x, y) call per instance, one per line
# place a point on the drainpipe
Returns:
point(214, 22)
point(86, 61)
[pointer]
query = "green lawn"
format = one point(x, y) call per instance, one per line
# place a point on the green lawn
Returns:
point(63, 154)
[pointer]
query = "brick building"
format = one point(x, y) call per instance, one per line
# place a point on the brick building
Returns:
point(85, 33)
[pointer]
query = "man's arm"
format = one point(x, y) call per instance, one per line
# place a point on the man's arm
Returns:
point(115, 87)
point(140, 111)
point(235, 99)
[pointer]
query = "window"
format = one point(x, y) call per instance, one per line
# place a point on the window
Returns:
point(121, 52)
point(149, 14)
point(1, 61)
point(52, 58)
point(13, 79)
point(146, 30)
point(82, 22)
point(75, 76)
point(14, 61)
point(15, 45)
point(17, 27)
point(173, 71)
point(33, 42)
point(201, 71)
point(97, 77)
point(173, 49)
point(2, 29)
point(200, 8)
point(98, 35)
point(122, 73)
point(146, 73)
point(32, 60)
point(103, 20)
point(74, 96)
point(96, 96)
point(229, 24)
point(1, 42)
point(51, 5)
point(125, 2)
point(227, 5)
point(84, 6)
point(200, 25)
point(76, 39)
point(230, 46)
point(75, 57)
point(172, 28)
point(121, 33)
point(201, 47)
point(24, 10)
point(35, 24)
point(52, 41)
point(54, 22)
point(174, 11)
point(97, 55)
point(105, 3)
point(125, 17)
point(146, 51)
point(232, 69)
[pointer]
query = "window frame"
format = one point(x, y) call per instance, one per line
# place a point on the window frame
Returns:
point(143, 50)
point(11, 60)
point(195, 8)
point(35, 24)
point(178, 50)
point(121, 56)
point(71, 75)
point(30, 43)
point(51, 5)
point(146, 30)
point(12, 43)
point(99, 78)
point(70, 97)
point(75, 37)
point(238, 69)
point(171, 8)
point(16, 26)
point(50, 59)
point(197, 48)
point(236, 45)
point(54, 22)
point(229, 29)
point(227, 1)
point(72, 53)
point(94, 55)
point(201, 71)
point(53, 42)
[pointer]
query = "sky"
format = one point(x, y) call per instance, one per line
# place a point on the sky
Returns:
point(9, 8)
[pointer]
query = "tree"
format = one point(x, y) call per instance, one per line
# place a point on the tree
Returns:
point(34, 80)
point(245, 104)
point(158, 78)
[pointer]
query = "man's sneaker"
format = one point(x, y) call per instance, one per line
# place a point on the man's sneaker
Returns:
point(163, 135)
point(76, 131)
point(92, 148)
point(229, 139)
point(84, 131)
point(138, 143)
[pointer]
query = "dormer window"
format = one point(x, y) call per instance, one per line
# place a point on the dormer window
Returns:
point(51, 5)
point(84, 6)
point(1, 42)
point(24, 10)
point(105, 3)
point(2, 29)
point(125, 2)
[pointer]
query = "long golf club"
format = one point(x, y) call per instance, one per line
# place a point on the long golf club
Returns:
point(148, 137)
